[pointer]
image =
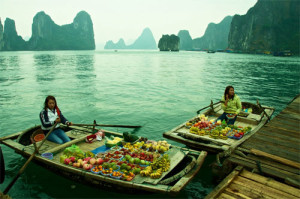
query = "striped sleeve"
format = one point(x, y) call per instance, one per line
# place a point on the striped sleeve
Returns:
point(45, 119)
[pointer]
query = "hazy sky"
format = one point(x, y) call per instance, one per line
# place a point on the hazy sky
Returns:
point(115, 19)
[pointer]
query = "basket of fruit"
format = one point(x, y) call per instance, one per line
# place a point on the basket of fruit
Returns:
point(95, 170)
point(116, 174)
point(128, 177)
point(106, 172)
point(230, 116)
point(117, 157)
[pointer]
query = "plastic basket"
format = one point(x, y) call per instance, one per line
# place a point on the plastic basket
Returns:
point(94, 171)
point(104, 174)
point(116, 177)
point(230, 116)
point(47, 155)
point(39, 137)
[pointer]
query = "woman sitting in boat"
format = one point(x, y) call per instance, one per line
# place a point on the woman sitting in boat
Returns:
point(231, 105)
point(48, 116)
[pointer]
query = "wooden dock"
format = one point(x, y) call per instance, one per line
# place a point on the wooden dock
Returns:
point(241, 183)
point(274, 150)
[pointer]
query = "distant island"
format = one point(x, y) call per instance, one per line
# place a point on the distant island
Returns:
point(269, 27)
point(169, 43)
point(46, 35)
point(145, 41)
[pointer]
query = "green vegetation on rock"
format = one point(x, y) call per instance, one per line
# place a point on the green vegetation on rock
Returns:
point(169, 43)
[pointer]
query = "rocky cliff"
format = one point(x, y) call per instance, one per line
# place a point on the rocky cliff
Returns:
point(11, 40)
point(1, 36)
point(186, 41)
point(169, 43)
point(269, 26)
point(144, 41)
point(215, 36)
point(46, 35)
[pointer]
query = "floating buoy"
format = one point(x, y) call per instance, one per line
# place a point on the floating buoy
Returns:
point(2, 167)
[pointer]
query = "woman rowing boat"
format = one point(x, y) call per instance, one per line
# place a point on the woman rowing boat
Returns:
point(48, 116)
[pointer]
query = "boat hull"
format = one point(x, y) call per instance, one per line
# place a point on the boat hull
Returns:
point(256, 120)
point(191, 163)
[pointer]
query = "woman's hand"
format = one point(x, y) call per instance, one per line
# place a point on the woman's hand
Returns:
point(69, 124)
point(57, 120)
point(226, 100)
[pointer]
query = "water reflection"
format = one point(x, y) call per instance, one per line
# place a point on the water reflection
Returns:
point(85, 66)
point(46, 65)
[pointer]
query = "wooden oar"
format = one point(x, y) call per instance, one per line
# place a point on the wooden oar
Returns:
point(208, 106)
point(263, 110)
point(108, 125)
point(28, 161)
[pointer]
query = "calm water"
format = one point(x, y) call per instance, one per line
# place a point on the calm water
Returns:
point(158, 90)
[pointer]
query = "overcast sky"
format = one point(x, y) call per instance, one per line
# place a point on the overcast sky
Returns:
point(115, 19)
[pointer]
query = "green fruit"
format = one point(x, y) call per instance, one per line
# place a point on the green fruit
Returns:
point(143, 162)
point(127, 157)
point(131, 160)
point(123, 166)
point(115, 167)
point(137, 161)
point(128, 168)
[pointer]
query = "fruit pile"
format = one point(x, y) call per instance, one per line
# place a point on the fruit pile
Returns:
point(127, 162)
point(217, 130)
point(156, 168)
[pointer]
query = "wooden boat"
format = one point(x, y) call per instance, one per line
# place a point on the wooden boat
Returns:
point(184, 164)
point(259, 116)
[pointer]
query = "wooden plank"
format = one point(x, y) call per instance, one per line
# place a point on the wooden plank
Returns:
point(12, 144)
point(293, 145)
point(269, 191)
point(266, 169)
point(237, 193)
point(283, 124)
point(225, 183)
point(11, 136)
point(67, 144)
point(285, 128)
point(286, 121)
point(272, 163)
point(278, 135)
point(225, 196)
point(245, 190)
point(271, 183)
point(272, 148)
point(287, 115)
point(275, 130)
point(276, 158)
point(188, 177)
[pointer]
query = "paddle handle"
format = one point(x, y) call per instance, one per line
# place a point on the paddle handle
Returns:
point(108, 125)
point(27, 162)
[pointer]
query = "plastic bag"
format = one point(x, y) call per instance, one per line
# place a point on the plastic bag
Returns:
point(73, 150)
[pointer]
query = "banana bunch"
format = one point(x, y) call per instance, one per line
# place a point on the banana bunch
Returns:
point(147, 171)
point(156, 174)
point(161, 163)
